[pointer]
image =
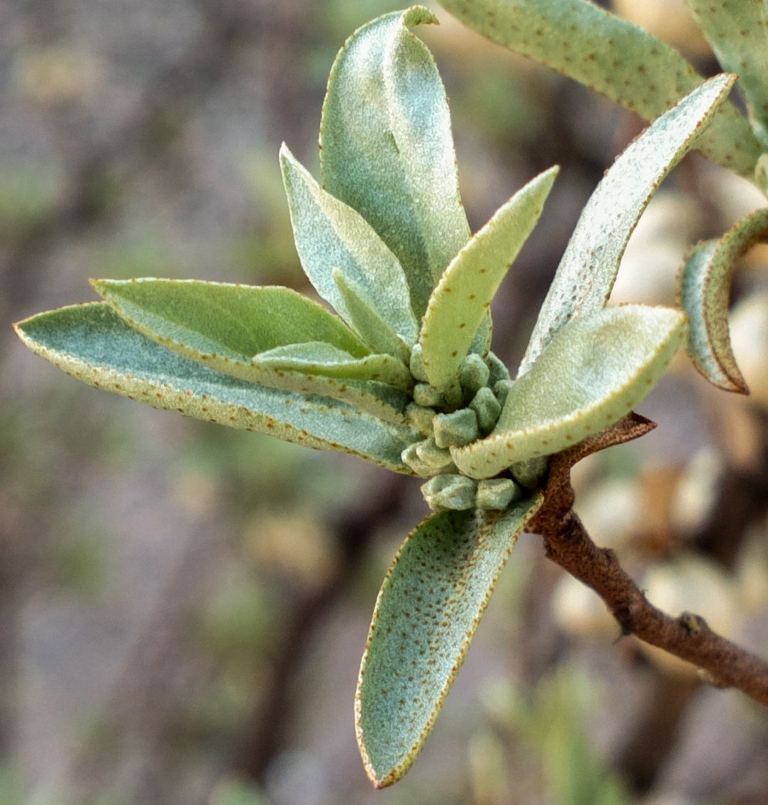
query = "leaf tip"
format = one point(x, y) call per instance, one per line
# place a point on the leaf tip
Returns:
point(377, 779)
point(100, 286)
point(287, 160)
point(740, 387)
point(551, 173)
point(732, 380)
point(419, 15)
point(383, 780)
point(18, 328)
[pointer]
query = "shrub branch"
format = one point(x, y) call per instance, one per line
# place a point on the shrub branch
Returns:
point(568, 544)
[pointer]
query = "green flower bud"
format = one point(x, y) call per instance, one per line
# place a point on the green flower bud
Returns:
point(498, 371)
point(420, 417)
point(487, 408)
point(438, 459)
point(530, 473)
point(474, 373)
point(450, 492)
point(426, 396)
point(411, 457)
point(497, 493)
point(456, 429)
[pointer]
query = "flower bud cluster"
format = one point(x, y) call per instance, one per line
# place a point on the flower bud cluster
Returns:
point(456, 416)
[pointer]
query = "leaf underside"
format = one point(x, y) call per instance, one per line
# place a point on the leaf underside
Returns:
point(387, 150)
point(704, 292)
point(93, 344)
point(613, 57)
point(461, 300)
point(426, 615)
point(590, 376)
point(588, 269)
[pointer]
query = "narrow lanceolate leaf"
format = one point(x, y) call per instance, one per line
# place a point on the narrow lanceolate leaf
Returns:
point(613, 57)
point(235, 320)
point(591, 375)
point(368, 322)
point(223, 326)
point(588, 269)
point(426, 615)
point(463, 295)
point(704, 291)
point(387, 149)
point(331, 235)
point(737, 30)
point(92, 343)
point(318, 358)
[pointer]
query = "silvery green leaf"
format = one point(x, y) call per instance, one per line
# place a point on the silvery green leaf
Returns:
point(367, 321)
point(588, 269)
point(236, 320)
point(426, 615)
point(332, 236)
point(613, 57)
point(737, 30)
point(387, 148)
point(319, 358)
point(92, 343)
point(462, 297)
point(705, 284)
point(595, 370)
point(223, 326)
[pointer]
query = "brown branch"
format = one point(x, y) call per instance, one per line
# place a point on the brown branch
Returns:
point(687, 636)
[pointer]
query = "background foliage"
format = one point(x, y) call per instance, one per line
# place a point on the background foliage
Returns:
point(182, 608)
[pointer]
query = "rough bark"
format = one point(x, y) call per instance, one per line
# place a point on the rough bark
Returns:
point(688, 636)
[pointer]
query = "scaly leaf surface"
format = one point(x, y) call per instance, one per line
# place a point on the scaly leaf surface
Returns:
point(330, 236)
point(387, 149)
point(425, 617)
point(591, 375)
point(462, 298)
point(613, 57)
point(367, 320)
point(737, 30)
point(588, 269)
point(704, 291)
point(92, 343)
point(223, 326)
point(237, 320)
point(318, 358)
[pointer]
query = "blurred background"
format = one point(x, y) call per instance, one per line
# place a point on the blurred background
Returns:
point(182, 607)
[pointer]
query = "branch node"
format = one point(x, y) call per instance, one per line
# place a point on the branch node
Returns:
point(566, 543)
point(610, 555)
point(694, 624)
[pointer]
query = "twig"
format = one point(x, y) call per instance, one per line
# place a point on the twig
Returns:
point(569, 545)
